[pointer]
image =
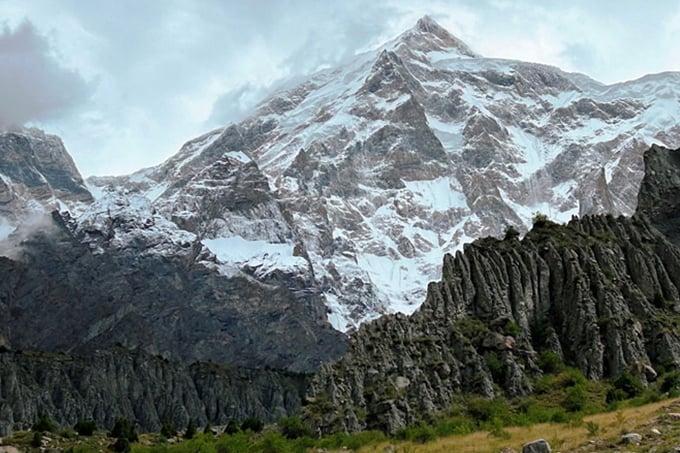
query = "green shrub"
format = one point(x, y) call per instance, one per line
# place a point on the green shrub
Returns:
point(572, 377)
point(593, 428)
point(358, 440)
point(167, 430)
point(496, 430)
point(292, 427)
point(614, 395)
point(200, 443)
point(485, 410)
point(549, 362)
point(629, 384)
point(495, 366)
point(471, 329)
point(333, 442)
point(36, 441)
point(455, 425)
point(559, 416)
point(232, 427)
point(576, 398)
point(511, 233)
point(85, 427)
point(535, 411)
point(67, 433)
point(122, 444)
point(272, 443)
point(191, 429)
point(253, 424)
point(670, 382)
point(419, 433)
point(539, 219)
point(511, 328)
point(123, 429)
point(236, 442)
point(45, 423)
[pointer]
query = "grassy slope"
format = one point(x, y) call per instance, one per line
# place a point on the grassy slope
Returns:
point(569, 437)
point(564, 437)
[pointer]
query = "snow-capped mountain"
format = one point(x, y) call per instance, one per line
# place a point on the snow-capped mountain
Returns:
point(353, 184)
point(366, 174)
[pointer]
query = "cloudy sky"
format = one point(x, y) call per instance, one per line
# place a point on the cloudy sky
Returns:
point(126, 82)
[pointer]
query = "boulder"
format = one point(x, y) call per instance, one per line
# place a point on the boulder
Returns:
point(537, 446)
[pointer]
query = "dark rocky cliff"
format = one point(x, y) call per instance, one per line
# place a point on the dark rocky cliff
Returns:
point(659, 196)
point(601, 292)
point(144, 388)
point(59, 295)
point(36, 166)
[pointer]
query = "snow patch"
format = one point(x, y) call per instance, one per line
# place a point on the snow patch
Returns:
point(449, 134)
point(440, 194)
point(6, 229)
point(258, 254)
point(239, 156)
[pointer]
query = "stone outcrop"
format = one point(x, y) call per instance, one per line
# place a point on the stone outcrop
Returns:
point(659, 196)
point(36, 166)
point(602, 293)
point(143, 388)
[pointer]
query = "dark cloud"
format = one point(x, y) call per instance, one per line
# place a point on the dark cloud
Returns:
point(34, 85)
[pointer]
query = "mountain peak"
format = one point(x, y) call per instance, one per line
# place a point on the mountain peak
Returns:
point(429, 36)
point(427, 24)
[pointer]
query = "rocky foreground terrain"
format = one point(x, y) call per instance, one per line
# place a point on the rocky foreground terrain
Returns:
point(143, 388)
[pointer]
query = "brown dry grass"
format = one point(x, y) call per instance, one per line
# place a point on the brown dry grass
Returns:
point(562, 437)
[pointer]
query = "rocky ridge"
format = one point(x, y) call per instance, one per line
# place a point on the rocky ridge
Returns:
point(36, 174)
point(602, 293)
point(143, 388)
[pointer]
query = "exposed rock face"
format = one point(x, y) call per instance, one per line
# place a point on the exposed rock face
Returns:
point(143, 388)
point(36, 170)
point(659, 197)
point(63, 293)
point(601, 292)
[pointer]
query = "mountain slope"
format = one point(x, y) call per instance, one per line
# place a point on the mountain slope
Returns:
point(601, 293)
point(377, 168)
